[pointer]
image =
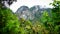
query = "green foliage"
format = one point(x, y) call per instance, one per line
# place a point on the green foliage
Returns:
point(45, 17)
point(8, 22)
point(26, 27)
point(56, 16)
point(48, 24)
point(56, 11)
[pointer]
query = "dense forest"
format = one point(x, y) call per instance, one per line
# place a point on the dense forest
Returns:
point(47, 24)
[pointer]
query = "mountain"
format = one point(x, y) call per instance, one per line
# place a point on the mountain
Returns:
point(37, 11)
point(23, 12)
point(32, 13)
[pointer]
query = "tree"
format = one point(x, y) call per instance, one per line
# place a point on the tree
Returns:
point(6, 3)
point(47, 21)
point(45, 17)
point(56, 16)
point(25, 26)
point(56, 11)
point(9, 23)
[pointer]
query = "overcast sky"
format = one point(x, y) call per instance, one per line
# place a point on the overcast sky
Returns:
point(30, 3)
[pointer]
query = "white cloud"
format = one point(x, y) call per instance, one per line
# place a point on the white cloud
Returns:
point(30, 3)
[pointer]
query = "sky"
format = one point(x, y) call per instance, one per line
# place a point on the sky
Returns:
point(30, 3)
